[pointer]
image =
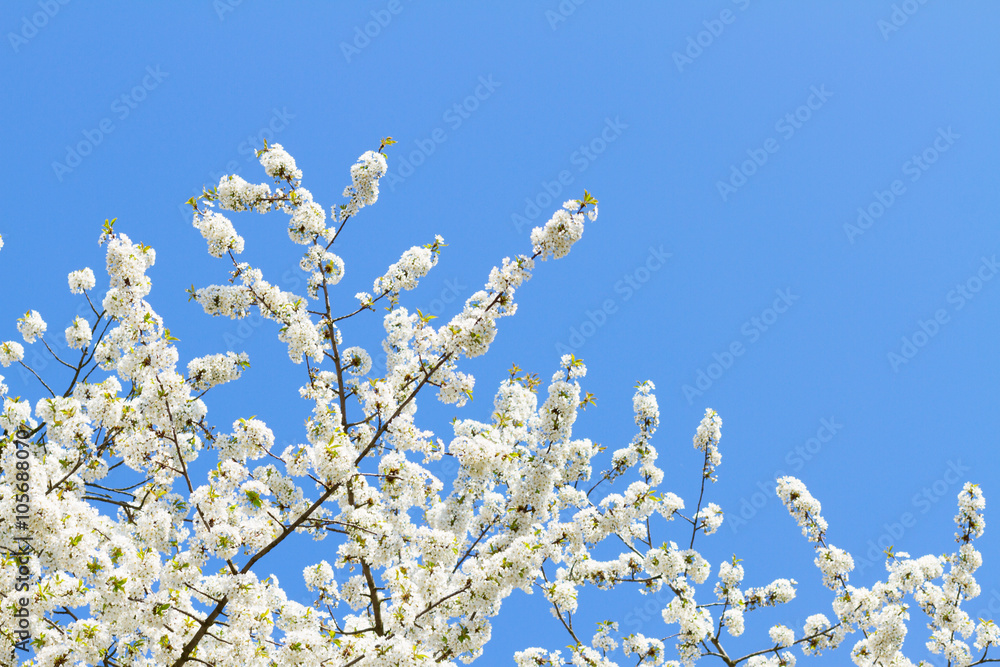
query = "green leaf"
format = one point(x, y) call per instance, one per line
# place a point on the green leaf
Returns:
point(254, 498)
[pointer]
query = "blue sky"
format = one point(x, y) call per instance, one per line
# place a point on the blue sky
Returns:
point(798, 225)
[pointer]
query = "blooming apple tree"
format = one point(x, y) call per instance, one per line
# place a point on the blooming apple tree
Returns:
point(171, 572)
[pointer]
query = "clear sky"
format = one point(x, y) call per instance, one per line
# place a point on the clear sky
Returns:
point(798, 228)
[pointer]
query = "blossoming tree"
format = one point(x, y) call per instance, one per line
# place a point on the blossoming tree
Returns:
point(418, 571)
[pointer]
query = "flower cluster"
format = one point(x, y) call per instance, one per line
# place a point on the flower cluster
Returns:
point(278, 164)
point(803, 507)
point(78, 334)
point(563, 229)
point(415, 567)
point(82, 280)
point(11, 352)
point(363, 190)
point(215, 369)
point(219, 232)
point(411, 267)
point(706, 439)
point(235, 194)
point(31, 326)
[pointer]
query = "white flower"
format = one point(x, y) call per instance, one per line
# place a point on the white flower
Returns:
point(814, 625)
point(251, 439)
point(777, 592)
point(558, 235)
point(603, 641)
point(707, 438)
point(835, 563)
point(562, 594)
point(363, 190)
point(970, 518)
point(782, 635)
point(235, 194)
point(356, 361)
point(31, 326)
point(649, 650)
point(730, 574)
point(803, 507)
point(11, 352)
point(733, 620)
point(78, 334)
point(219, 232)
point(278, 164)
point(215, 369)
point(404, 274)
point(987, 634)
point(320, 575)
point(15, 412)
point(308, 221)
point(81, 280)
point(709, 518)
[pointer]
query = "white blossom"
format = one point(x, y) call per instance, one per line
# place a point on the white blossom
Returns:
point(31, 326)
point(219, 232)
point(419, 559)
point(11, 352)
point(278, 164)
point(82, 280)
point(78, 334)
